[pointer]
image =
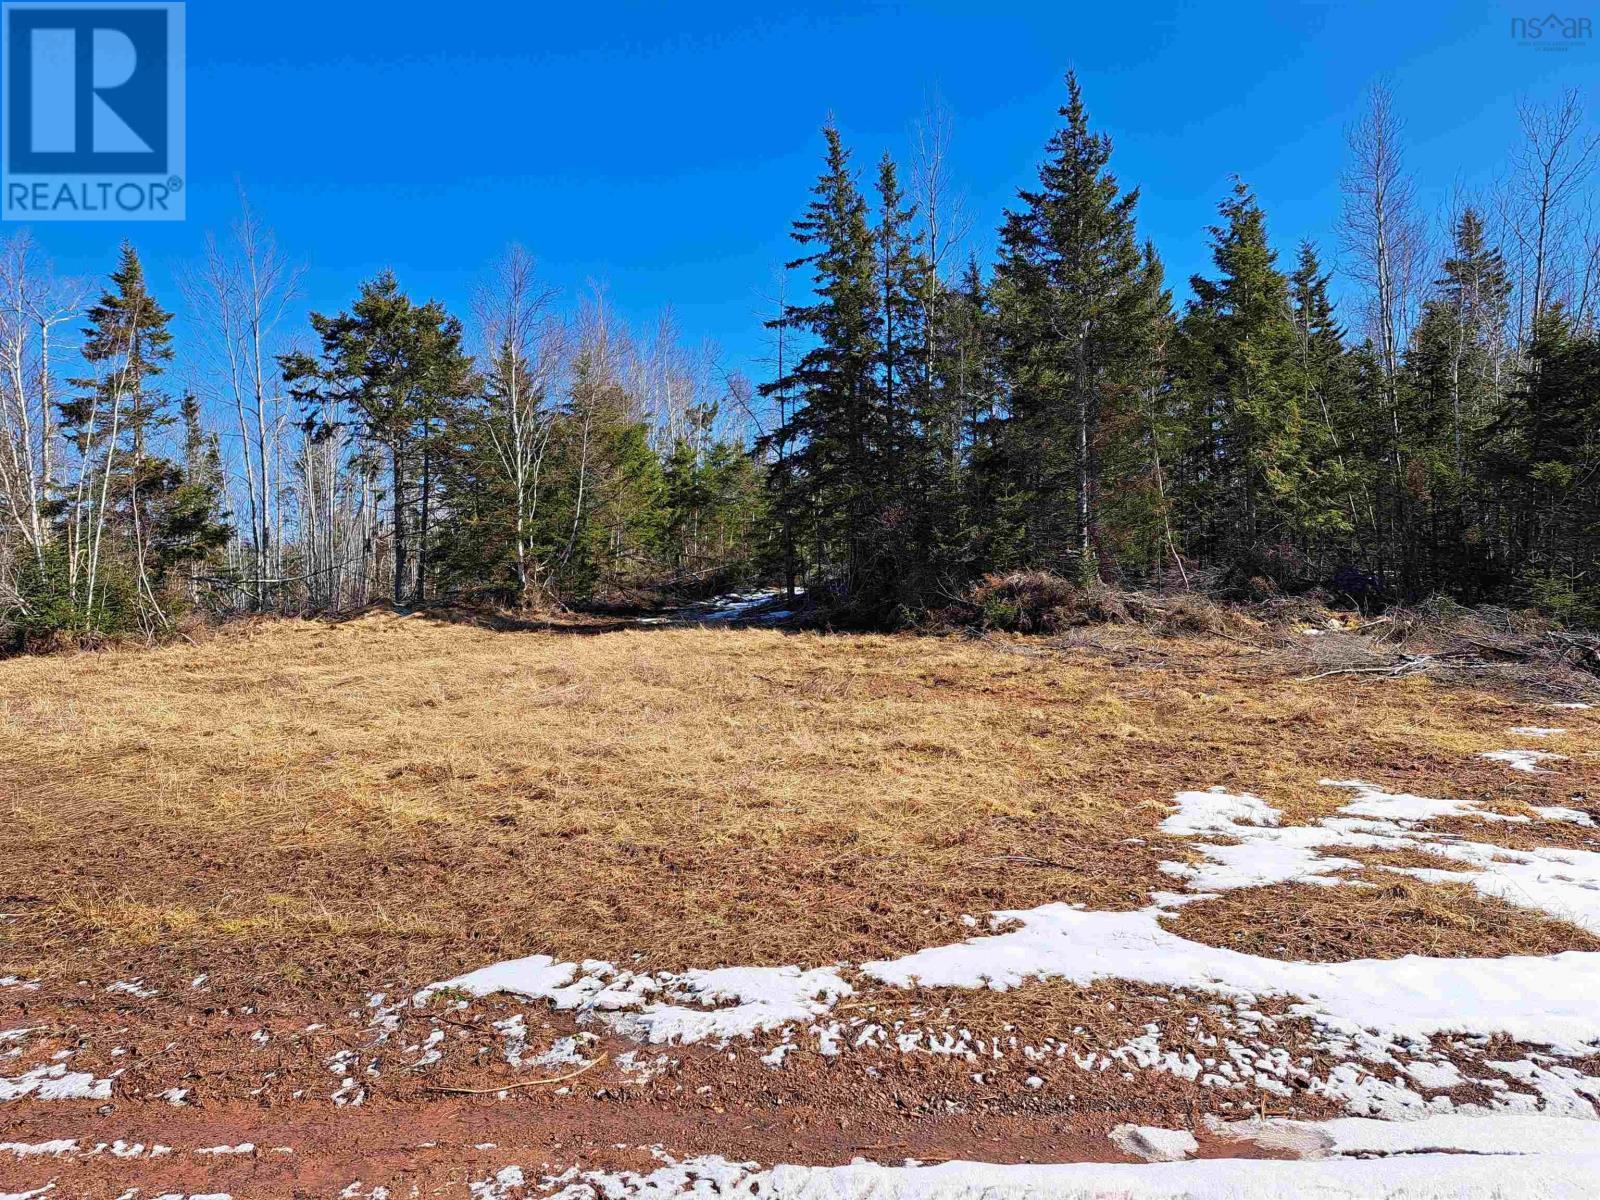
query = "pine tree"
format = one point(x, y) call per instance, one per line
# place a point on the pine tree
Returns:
point(907, 476)
point(1077, 307)
point(958, 427)
point(401, 368)
point(1543, 460)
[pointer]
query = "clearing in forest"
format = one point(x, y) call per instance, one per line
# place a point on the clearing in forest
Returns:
point(438, 906)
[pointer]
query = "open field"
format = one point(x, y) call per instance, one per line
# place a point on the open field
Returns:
point(231, 869)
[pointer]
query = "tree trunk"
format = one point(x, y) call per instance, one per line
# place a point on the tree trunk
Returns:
point(398, 477)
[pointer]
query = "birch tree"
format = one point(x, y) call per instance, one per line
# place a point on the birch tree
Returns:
point(1552, 165)
point(242, 288)
point(523, 345)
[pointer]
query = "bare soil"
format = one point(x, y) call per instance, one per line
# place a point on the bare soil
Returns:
point(306, 814)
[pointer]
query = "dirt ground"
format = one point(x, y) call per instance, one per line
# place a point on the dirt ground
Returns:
point(223, 861)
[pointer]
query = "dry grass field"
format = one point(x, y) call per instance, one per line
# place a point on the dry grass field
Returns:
point(305, 813)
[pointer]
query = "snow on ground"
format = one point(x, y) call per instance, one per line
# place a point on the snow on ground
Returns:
point(1154, 1144)
point(1393, 1033)
point(1569, 1173)
point(740, 605)
point(1543, 1000)
point(755, 999)
point(1564, 883)
point(54, 1148)
point(55, 1082)
point(1505, 1133)
point(1523, 760)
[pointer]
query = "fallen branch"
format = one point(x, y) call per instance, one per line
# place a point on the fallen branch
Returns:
point(1393, 670)
point(512, 1087)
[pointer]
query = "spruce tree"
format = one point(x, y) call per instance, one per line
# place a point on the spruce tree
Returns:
point(1076, 311)
point(836, 431)
point(129, 344)
point(154, 513)
point(1335, 490)
point(1241, 375)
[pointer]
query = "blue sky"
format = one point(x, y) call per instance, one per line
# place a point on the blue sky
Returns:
point(662, 150)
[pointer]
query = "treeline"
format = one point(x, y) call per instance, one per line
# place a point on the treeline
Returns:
point(1426, 422)
point(533, 457)
point(1058, 412)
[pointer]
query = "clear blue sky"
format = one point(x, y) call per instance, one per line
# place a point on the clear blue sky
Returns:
point(662, 150)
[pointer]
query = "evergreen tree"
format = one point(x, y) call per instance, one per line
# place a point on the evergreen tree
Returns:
point(1335, 492)
point(1448, 392)
point(958, 427)
point(154, 514)
point(1543, 461)
point(129, 344)
point(1250, 500)
point(400, 368)
point(1077, 311)
point(836, 432)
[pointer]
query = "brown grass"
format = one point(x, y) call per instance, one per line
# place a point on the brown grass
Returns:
point(406, 797)
point(1390, 919)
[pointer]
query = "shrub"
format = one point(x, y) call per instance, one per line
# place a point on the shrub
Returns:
point(47, 612)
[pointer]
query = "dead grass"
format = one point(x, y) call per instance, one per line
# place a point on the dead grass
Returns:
point(407, 796)
point(1391, 918)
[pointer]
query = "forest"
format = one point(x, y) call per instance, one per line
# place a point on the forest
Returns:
point(1413, 412)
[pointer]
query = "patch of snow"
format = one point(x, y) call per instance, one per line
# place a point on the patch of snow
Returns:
point(1154, 1144)
point(499, 1186)
point(1546, 1000)
point(739, 604)
point(1404, 807)
point(565, 1052)
point(1217, 811)
point(54, 1148)
point(1556, 812)
point(55, 1082)
point(1523, 760)
point(132, 987)
point(1536, 731)
point(1435, 1076)
point(1573, 1174)
point(694, 1006)
point(1500, 1133)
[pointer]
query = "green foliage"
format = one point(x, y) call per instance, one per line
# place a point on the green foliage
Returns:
point(48, 606)
point(400, 369)
point(1561, 597)
point(1087, 573)
point(1080, 312)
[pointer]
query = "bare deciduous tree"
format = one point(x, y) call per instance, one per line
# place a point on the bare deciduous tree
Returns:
point(1383, 237)
point(32, 304)
point(245, 286)
point(1553, 162)
point(523, 347)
